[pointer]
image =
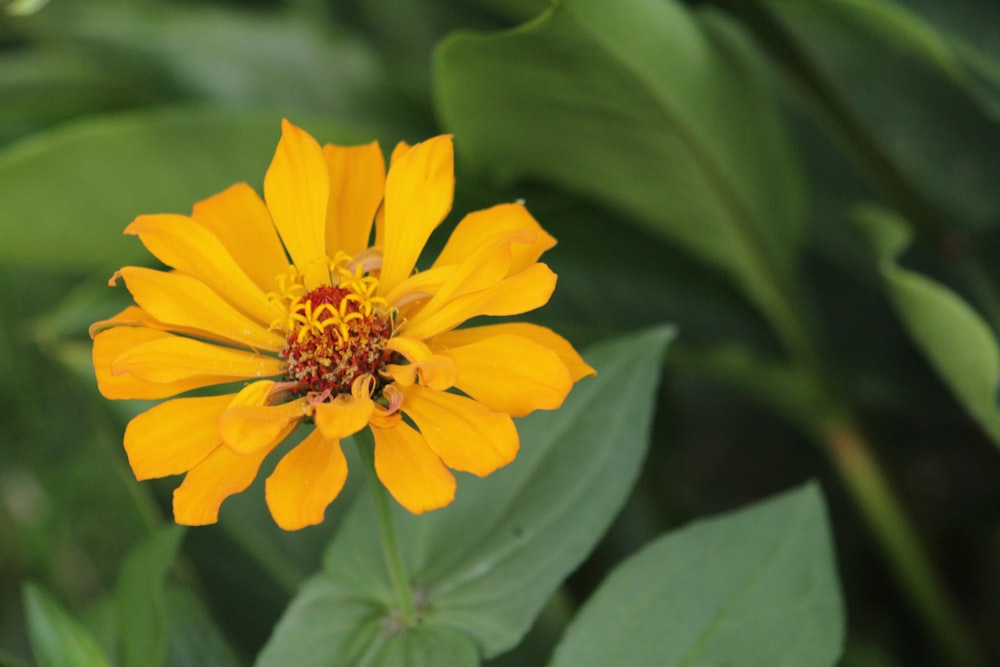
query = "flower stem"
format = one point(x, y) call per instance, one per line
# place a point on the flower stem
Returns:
point(387, 530)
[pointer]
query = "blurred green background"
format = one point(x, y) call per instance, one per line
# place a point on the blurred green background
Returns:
point(109, 109)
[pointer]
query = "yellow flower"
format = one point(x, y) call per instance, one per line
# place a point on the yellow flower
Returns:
point(321, 325)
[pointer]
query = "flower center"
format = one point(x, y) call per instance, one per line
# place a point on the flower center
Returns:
point(335, 335)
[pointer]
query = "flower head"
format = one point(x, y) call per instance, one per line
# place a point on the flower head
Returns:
point(305, 309)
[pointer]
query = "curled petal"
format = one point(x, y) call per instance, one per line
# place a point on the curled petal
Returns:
point(466, 434)
point(479, 228)
point(306, 481)
point(412, 473)
point(343, 416)
point(173, 437)
point(249, 425)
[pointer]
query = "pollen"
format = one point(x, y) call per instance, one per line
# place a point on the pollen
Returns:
point(335, 334)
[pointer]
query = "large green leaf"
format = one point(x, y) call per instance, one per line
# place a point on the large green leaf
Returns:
point(956, 340)
point(57, 639)
point(649, 107)
point(485, 566)
point(67, 194)
point(757, 587)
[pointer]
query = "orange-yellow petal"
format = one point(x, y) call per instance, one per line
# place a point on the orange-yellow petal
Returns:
point(240, 220)
point(357, 184)
point(511, 374)
point(467, 435)
point(173, 358)
point(577, 367)
point(249, 424)
point(517, 294)
point(432, 370)
point(109, 344)
point(306, 481)
point(418, 195)
point(220, 475)
point(412, 473)
point(296, 188)
point(191, 248)
point(173, 437)
point(343, 416)
point(180, 300)
point(480, 227)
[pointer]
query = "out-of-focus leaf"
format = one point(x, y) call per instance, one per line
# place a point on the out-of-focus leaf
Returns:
point(649, 107)
point(57, 639)
point(67, 194)
point(755, 588)
point(954, 337)
point(25, 7)
point(484, 566)
point(971, 68)
point(141, 599)
point(194, 639)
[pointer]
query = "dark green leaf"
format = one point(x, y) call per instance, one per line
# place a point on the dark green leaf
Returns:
point(485, 566)
point(57, 639)
point(755, 588)
point(648, 107)
point(954, 337)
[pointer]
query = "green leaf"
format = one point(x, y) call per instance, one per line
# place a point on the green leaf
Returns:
point(194, 639)
point(57, 639)
point(956, 340)
point(67, 194)
point(648, 107)
point(756, 587)
point(968, 66)
point(484, 567)
point(141, 602)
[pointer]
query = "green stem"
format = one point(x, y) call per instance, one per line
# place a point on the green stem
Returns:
point(387, 530)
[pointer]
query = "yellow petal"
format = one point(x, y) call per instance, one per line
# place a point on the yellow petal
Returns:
point(192, 248)
point(296, 188)
point(220, 475)
point(306, 481)
point(240, 220)
point(180, 300)
point(174, 436)
point(173, 359)
point(357, 184)
point(250, 425)
point(517, 294)
point(480, 227)
point(418, 195)
point(109, 344)
point(466, 434)
point(511, 374)
point(432, 370)
point(343, 416)
point(577, 367)
point(412, 473)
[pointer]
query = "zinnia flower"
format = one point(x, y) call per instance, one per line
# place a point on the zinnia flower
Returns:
point(290, 309)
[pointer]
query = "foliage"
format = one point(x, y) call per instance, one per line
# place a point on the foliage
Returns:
point(775, 224)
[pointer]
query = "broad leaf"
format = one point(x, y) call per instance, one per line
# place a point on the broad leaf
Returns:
point(57, 639)
point(67, 194)
point(954, 337)
point(755, 588)
point(484, 566)
point(646, 106)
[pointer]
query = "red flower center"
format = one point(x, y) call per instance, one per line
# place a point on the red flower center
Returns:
point(337, 341)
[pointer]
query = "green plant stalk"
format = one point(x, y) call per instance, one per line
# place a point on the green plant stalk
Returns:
point(387, 530)
point(849, 451)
